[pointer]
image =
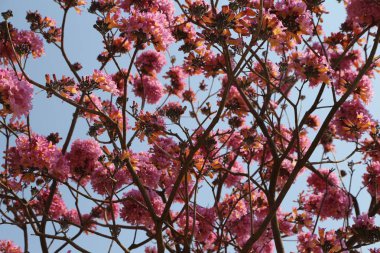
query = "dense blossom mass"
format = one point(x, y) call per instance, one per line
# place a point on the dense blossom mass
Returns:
point(212, 126)
point(15, 94)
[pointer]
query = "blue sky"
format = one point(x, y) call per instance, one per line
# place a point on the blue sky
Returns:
point(83, 45)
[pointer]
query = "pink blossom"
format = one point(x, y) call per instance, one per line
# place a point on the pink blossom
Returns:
point(147, 172)
point(333, 203)
point(296, 20)
point(241, 229)
point(371, 148)
point(15, 95)
point(57, 207)
point(352, 120)
point(329, 179)
point(233, 179)
point(153, 27)
point(107, 180)
point(150, 62)
point(106, 212)
point(91, 102)
point(135, 211)
point(37, 153)
point(164, 154)
point(165, 7)
point(364, 221)
point(25, 43)
point(83, 158)
point(363, 90)
point(326, 198)
point(85, 221)
point(105, 82)
point(173, 110)
point(371, 179)
point(203, 225)
point(148, 87)
point(308, 242)
point(233, 207)
point(311, 67)
point(8, 246)
point(150, 250)
point(363, 11)
point(177, 81)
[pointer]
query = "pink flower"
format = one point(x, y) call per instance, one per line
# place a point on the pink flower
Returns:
point(106, 212)
point(233, 179)
point(15, 95)
point(83, 158)
point(326, 198)
point(203, 225)
point(365, 12)
point(311, 67)
point(241, 229)
point(148, 27)
point(177, 81)
point(105, 82)
point(333, 203)
point(173, 110)
point(308, 242)
point(150, 62)
point(364, 221)
point(85, 221)
point(8, 246)
point(57, 207)
point(150, 250)
point(37, 153)
point(330, 179)
point(233, 207)
point(163, 6)
point(91, 102)
point(296, 20)
point(107, 180)
point(135, 211)
point(147, 172)
point(165, 153)
point(371, 148)
point(148, 87)
point(352, 120)
point(371, 179)
point(363, 90)
point(25, 43)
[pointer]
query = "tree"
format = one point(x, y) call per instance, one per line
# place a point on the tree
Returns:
point(255, 93)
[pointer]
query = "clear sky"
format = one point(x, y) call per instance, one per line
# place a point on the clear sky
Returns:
point(83, 45)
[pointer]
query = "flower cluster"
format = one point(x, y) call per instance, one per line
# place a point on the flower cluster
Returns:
point(150, 62)
point(135, 209)
point(104, 82)
point(8, 246)
point(57, 208)
point(24, 42)
point(326, 198)
point(147, 87)
point(15, 94)
point(148, 27)
point(177, 76)
point(363, 11)
point(371, 179)
point(352, 120)
point(33, 157)
point(44, 25)
point(310, 66)
point(84, 159)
